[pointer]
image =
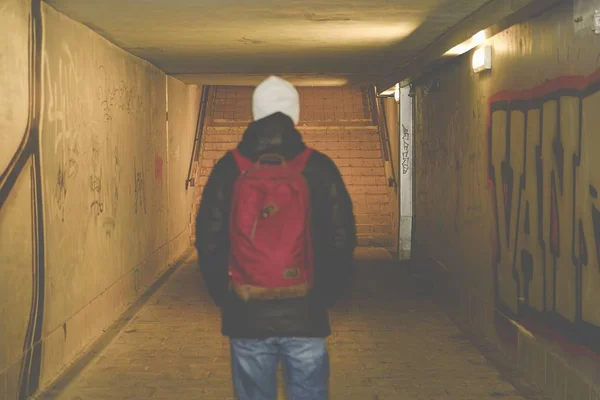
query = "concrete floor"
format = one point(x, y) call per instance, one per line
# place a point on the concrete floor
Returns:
point(389, 344)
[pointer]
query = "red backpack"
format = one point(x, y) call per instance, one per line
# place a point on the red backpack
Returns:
point(269, 228)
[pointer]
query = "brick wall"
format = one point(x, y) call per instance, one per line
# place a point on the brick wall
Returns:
point(331, 105)
point(345, 133)
point(232, 103)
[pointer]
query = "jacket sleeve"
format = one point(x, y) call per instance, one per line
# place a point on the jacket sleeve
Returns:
point(212, 230)
point(338, 268)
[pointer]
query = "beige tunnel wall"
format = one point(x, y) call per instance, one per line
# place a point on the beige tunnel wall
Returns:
point(17, 239)
point(184, 103)
point(507, 180)
point(93, 203)
point(391, 118)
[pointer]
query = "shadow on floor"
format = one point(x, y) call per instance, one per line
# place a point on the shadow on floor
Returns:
point(390, 342)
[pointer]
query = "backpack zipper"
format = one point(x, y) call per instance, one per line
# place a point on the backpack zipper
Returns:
point(253, 232)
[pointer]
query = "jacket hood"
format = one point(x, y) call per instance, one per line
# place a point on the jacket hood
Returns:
point(273, 134)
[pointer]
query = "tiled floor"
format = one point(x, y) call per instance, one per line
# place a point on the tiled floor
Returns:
point(389, 344)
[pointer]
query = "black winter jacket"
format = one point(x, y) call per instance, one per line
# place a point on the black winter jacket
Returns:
point(333, 234)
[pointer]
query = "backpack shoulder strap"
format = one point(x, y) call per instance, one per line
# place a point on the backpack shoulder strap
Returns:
point(244, 164)
point(299, 162)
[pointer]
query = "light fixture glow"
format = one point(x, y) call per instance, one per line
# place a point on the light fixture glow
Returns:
point(397, 93)
point(388, 92)
point(469, 44)
point(479, 38)
point(482, 59)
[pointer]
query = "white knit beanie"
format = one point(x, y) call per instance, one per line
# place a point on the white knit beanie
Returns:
point(276, 95)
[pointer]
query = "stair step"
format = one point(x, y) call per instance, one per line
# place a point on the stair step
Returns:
point(370, 199)
point(336, 155)
point(386, 241)
point(310, 140)
point(374, 229)
point(339, 128)
point(375, 219)
point(320, 122)
point(319, 145)
point(354, 177)
point(340, 162)
point(309, 137)
point(359, 162)
point(361, 181)
point(368, 189)
point(360, 171)
point(360, 174)
point(344, 128)
point(370, 195)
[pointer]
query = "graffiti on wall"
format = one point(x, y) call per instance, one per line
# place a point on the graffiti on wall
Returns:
point(544, 171)
point(405, 150)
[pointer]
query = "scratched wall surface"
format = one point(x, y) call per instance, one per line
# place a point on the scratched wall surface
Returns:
point(93, 204)
point(507, 192)
point(14, 70)
point(103, 126)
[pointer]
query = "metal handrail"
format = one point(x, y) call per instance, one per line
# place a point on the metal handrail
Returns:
point(198, 136)
point(378, 114)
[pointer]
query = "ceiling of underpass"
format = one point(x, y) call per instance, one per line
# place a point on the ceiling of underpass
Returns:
point(235, 41)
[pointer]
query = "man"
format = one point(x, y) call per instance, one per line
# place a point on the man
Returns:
point(272, 319)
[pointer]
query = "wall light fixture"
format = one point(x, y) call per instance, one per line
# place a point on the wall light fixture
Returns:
point(482, 59)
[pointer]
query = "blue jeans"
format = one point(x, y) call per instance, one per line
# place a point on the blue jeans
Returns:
point(305, 368)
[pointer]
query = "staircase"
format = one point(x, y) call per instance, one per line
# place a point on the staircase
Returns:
point(335, 121)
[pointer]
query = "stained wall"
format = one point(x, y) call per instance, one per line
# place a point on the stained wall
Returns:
point(93, 202)
point(507, 181)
